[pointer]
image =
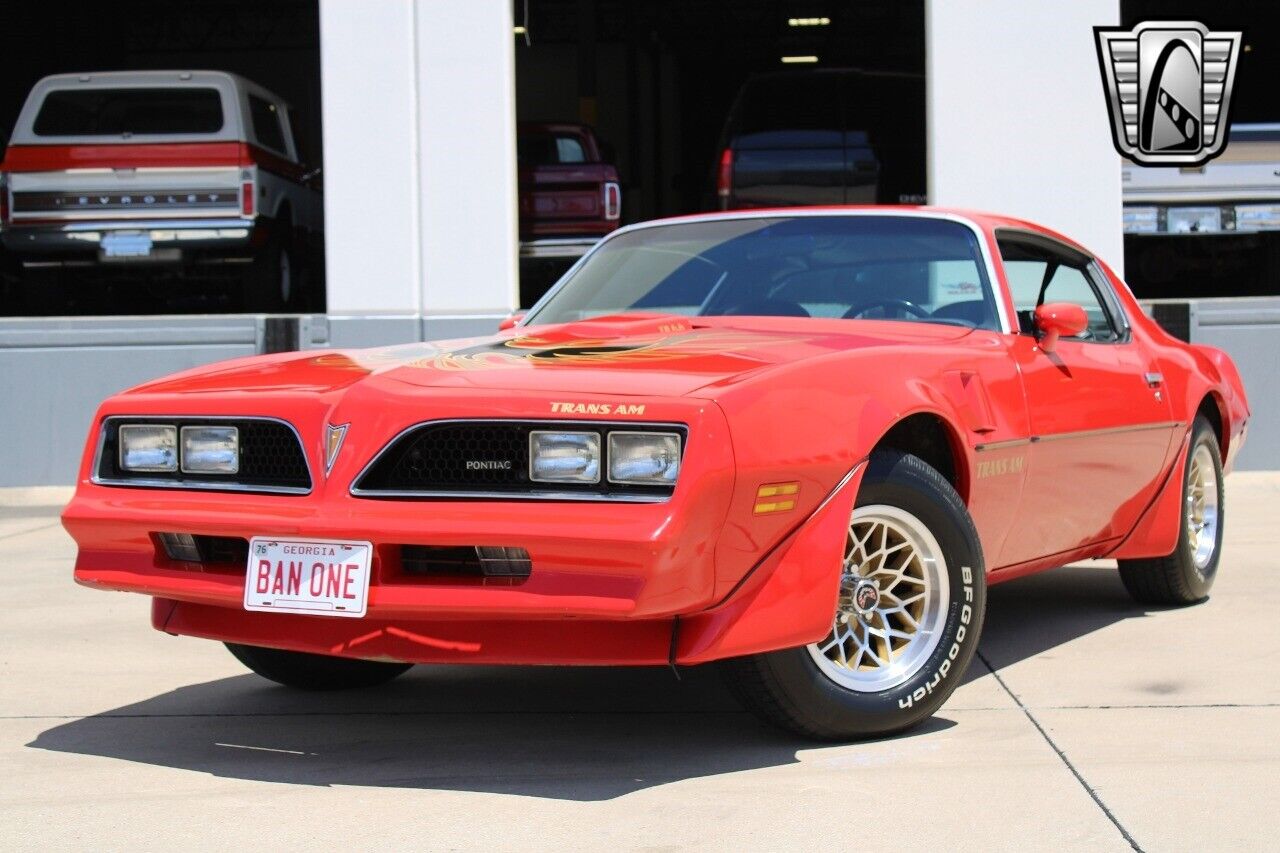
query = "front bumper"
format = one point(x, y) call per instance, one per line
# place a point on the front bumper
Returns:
point(692, 578)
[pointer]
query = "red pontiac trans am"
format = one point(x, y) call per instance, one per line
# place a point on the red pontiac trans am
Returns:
point(800, 442)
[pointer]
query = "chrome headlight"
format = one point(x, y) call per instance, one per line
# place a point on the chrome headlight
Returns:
point(644, 458)
point(564, 457)
point(210, 450)
point(148, 447)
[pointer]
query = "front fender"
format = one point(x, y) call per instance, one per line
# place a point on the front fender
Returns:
point(788, 599)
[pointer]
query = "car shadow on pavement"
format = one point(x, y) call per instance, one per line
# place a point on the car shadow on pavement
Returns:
point(564, 733)
point(1032, 615)
point(556, 732)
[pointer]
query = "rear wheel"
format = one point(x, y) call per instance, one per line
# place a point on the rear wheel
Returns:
point(273, 284)
point(1186, 575)
point(910, 608)
point(315, 672)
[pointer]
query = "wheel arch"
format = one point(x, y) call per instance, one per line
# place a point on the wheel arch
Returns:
point(930, 436)
point(1213, 408)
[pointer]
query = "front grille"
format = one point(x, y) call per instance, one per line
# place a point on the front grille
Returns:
point(271, 457)
point(488, 458)
point(436, 457)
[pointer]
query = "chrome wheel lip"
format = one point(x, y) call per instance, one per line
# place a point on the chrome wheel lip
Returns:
point(906, 662)
point(1203, 501)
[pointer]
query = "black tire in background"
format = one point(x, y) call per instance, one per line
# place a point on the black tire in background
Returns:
point(1180, 578)
point(788, 689)
point(315, 672)
point(274, 283)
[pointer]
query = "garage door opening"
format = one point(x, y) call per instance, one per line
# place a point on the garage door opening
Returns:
point(1213, 230)
point(171, 167)
point(655, 85)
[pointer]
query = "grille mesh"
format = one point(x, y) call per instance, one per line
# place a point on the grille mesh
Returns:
point(270, 456)
point(435, 457)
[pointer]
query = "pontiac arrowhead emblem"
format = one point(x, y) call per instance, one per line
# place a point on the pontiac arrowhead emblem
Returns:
point(333, 444)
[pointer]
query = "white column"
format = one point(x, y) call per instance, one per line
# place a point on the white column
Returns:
point(467, 158)
point(369, 97)
point(1016, 116)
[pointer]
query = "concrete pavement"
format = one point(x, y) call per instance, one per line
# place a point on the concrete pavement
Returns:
point(1087, 723)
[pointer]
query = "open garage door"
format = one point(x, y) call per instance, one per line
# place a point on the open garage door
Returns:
point(833, 110)
point(172, 169)
point(1213, 230)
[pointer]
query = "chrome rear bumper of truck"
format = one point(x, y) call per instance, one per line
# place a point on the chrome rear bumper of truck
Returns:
point(166, 236)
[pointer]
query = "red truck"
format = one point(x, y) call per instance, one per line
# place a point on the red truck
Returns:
point(569, 194)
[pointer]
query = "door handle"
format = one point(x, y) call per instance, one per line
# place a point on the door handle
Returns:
point(1153, 379)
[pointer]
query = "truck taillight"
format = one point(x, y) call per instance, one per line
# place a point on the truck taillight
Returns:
point(724, 177)
point(612, 200)
point(246, 198)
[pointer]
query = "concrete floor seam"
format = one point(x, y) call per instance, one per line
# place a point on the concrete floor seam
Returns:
point(1061, 755)
point(27, 532)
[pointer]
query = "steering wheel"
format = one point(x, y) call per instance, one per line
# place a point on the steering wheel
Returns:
point(902, 305)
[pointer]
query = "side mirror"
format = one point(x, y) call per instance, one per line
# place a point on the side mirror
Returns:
point(510, 322)
point(1057, 319)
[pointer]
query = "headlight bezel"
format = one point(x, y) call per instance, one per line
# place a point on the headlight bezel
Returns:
point(592, 436)
point(184, 452)
point(611, 451)
point(122, 450)
point(283, 469)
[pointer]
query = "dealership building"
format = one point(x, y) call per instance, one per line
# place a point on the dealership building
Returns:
point(414, 110)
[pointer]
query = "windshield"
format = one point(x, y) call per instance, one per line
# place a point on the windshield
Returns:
point(851, 267)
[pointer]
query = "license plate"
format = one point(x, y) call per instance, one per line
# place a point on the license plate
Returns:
point(126, 244)
point(312, 576)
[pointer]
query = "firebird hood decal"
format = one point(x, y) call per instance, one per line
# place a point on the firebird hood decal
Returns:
point(539, 350)
point(643, 356)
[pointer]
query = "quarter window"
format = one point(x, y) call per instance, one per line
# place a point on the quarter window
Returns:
point(266, 123)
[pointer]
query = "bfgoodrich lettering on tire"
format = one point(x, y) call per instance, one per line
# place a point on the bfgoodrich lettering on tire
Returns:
point(911, 603)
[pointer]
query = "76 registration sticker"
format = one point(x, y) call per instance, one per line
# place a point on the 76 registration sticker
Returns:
point(312, 576)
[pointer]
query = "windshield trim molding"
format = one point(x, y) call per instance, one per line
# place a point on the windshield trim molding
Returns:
point(988, 260)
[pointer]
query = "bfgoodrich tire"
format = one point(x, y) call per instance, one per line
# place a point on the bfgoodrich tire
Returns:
point(315, 672)
point(1186, 576)
point(911, 605)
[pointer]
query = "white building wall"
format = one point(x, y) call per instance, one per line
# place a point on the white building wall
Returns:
point(369, 100)
point(420, 171)
point(467, 157)
point(1017, 121)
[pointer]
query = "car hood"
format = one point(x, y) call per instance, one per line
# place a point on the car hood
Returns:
point(630, 355)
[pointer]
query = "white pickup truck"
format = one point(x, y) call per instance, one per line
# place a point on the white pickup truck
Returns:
point(189, 168)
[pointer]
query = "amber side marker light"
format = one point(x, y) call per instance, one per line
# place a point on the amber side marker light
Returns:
point(776, 497)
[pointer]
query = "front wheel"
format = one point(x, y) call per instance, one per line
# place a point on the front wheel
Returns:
point(911, 602)
point(1186, 575)
point(315, 672)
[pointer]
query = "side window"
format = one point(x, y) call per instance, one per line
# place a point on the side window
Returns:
point(266, 124)
point(1037, 276)
point(569, 150)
